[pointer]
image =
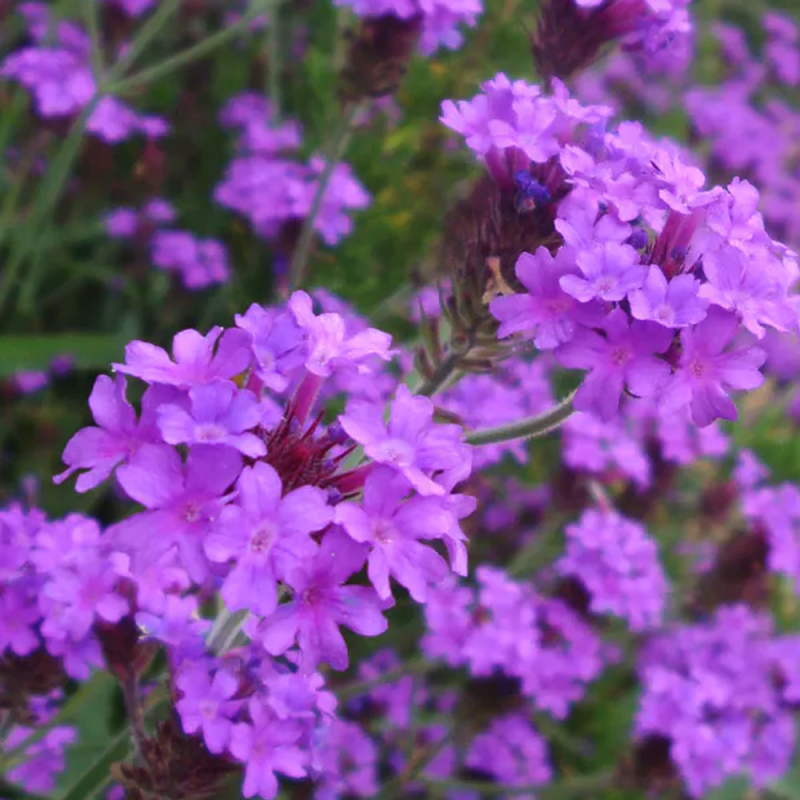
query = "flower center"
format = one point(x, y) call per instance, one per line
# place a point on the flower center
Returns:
point(605, 284)
point(262, 538)
point(698, 369)
point(191, 513)
point(665, 314)
point(619, 356)
point(383, 530)
point(209, 432)
point(396, 452)
point(208, 709)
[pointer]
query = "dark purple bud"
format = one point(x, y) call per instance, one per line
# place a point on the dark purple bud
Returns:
point(638, 240)
point(336, 433)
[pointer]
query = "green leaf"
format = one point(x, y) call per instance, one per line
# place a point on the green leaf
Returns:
point(88, 351)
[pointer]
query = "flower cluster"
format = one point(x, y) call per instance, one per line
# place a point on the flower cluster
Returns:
point(57, 70)
point(272, 191)
point(506, 627)
point(247, 490)
point(60, 579)
point(721, 692)
point(572, 34)
point(439, 20)
point(643, 278)
point(617, 563)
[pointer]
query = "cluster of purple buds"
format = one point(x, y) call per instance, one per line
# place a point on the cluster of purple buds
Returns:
point(57, 69)
point(505, 627)
point(248, 493)
point(274, 192)
point(571, 34)
point(439, 21)
point(721, 692)
point(197, 262)
point(649, 282)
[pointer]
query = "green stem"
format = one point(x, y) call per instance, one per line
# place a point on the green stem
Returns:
point(577, 787)
point(274, 61)
point(340, 138)
point(98, 776)
point(146, 34)
point(356, 688)
point(69, 711)
point(529, 428)
point(190, 54)
point(225, 629)
point(92, 11)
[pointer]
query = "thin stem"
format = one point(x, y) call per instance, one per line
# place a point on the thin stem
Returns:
point(340, 138)
point(146, 34)
point(225, 629)
point(92, 25)
point(190, 54)
point(356, 688)
point(432, 385)
point(46, 198)
point(274, 61)
point(11, 758)
point(529, 428)
point(570, 787)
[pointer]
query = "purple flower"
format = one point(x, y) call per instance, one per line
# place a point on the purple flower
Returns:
point(321, 603)
point(206, 704)
point(329, 346)
point(617, 562)
point(609, 272)
point(73, 597)
point(546, 313)
point(266, 746)
point(220, 414)
point(18, 617)
point(196, 361)
point(707, 369)
point(178, 625)
point(182, 502)
point(117, 435)
point(512, 752)
point(411, 442)
point(624, 357)
point(264, 534)
point(752, 288)
point(199, 262)
point(673, 304)
point(392, 526)
point(277, 344)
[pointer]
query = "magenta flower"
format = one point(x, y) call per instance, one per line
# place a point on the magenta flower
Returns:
point(321, 603)
point(177, 625)
point(196, 361)
point(626, 356)
point(617, 562)
point(737, 282)
point(609, 272)
point(674, 304)
point(546, 313)
point(117, 435)
point(265, 534)
point(18, 616)
point(74, 597)
point(393, 526)
point(206, 705)
point(411, 443)
point(220, 414)
point(707, 369)
point(329, 346)
point(182, 501)
point(277, 344)
point(266, 746)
